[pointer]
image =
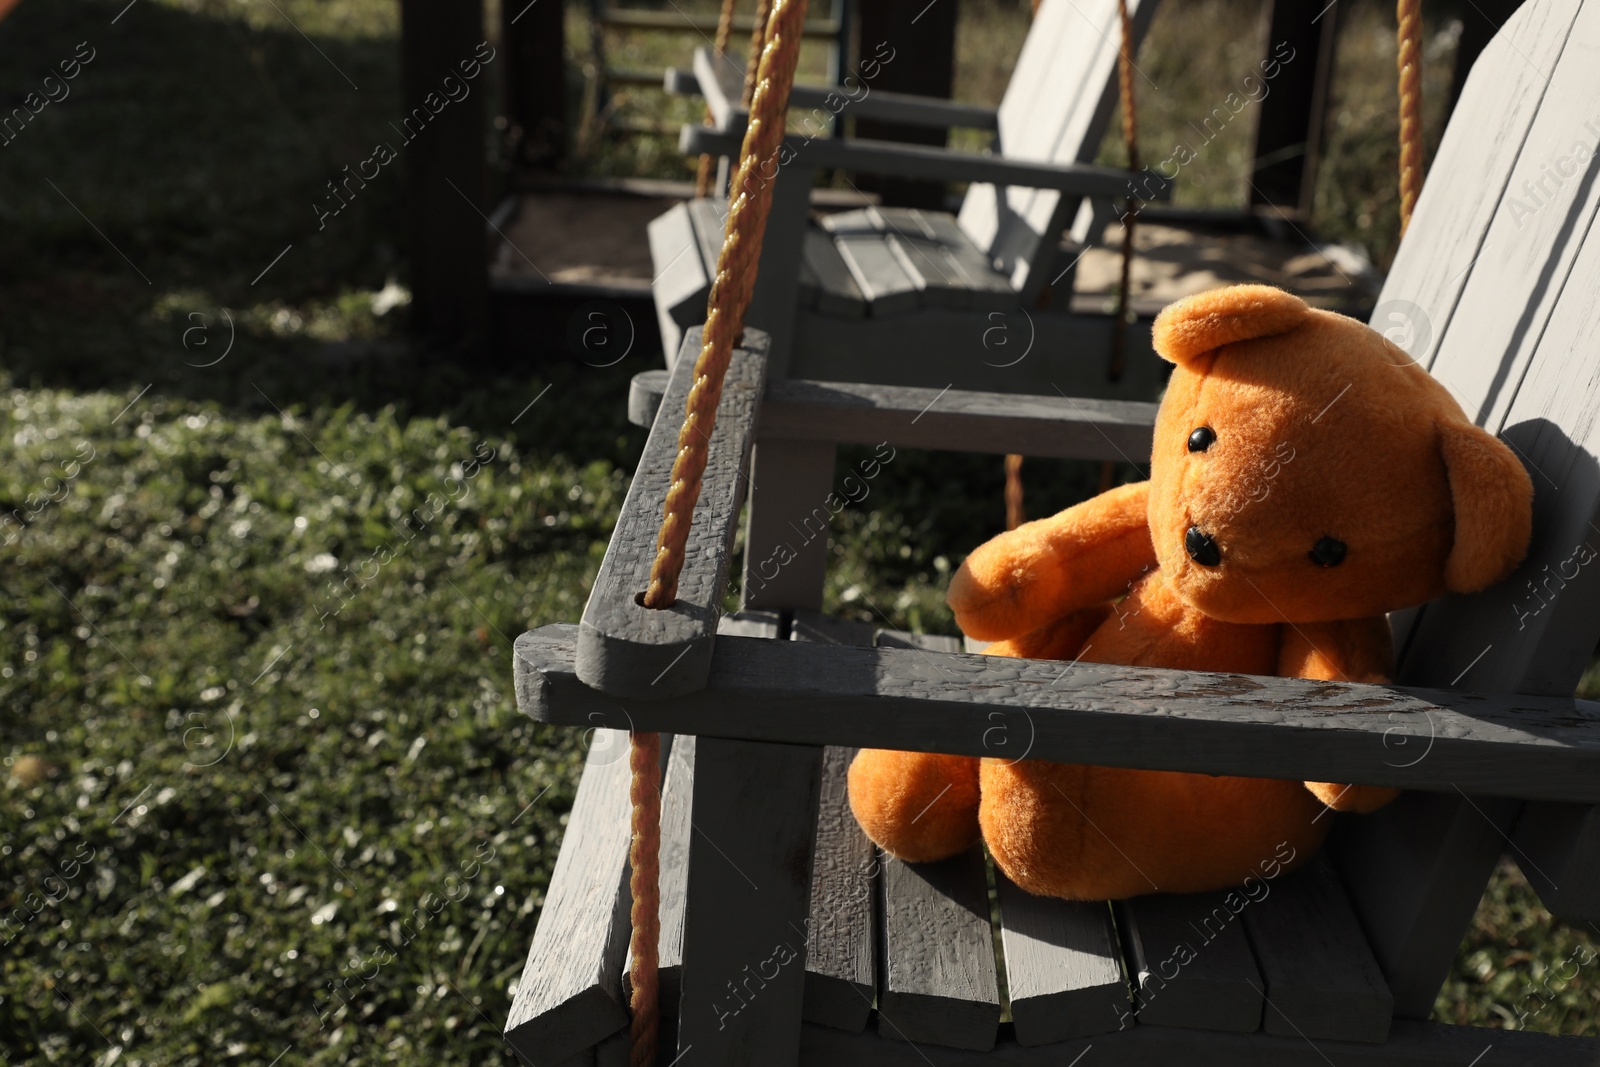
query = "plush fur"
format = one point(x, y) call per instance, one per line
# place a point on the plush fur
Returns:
point(1322, 429)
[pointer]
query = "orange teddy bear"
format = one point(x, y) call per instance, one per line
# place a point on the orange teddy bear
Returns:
point(1306, 478)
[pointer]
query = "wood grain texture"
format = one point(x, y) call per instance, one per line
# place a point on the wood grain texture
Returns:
point(570, 993)
point(1468, 176)
point(1321, 980)
point(1543, 747)
point(939, 984)
point(837, 291)
point(841, 979)
point(878, 273)
point(755, 811)
point(1063, 967)
point(624, 648)
point(1190, 962)
point(1412, 1044)
point(909, 417)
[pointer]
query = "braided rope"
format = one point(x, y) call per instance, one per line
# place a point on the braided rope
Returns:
point(749, 203)
point(644, 859)
point(750, 200)
point(1130, 141)
point(702, 178)
point(1409, 61)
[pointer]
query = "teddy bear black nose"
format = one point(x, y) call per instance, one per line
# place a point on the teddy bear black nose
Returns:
point(1201, 547)
point(1328, 552)
point(1201, 439)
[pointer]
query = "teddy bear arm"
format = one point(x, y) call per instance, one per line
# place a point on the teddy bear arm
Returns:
point(1356, 650)
point(1088, 554)
point(916, 806)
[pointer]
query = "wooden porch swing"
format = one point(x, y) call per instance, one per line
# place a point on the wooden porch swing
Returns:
point(766, 929)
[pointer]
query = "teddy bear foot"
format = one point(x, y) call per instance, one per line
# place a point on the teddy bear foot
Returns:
point(916, 806)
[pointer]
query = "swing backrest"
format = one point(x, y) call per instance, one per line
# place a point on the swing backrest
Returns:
point(1493, 290)
point(1055, 110)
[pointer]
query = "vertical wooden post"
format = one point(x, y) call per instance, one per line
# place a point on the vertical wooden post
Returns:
point(532, 34)
point(443, 144)
point(749, 902)
point(924, 39)
point(786, 541)
point(1289, 130)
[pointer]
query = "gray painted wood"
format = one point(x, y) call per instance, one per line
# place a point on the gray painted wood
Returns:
point(1468, 177)
point(1056, 108)
point(837, 291)
point(709, 217)
point(1321, 980)
point(570, 993)
point(1558, 849)
point(1063, 967)
point(614, 1051)
point(625, 648)
point(898, 107)
point(814, 626)
point(989, 289)
point(786, 538)
point(744, 952)
point(907, 417)
point(1543, 747)
point(926, 642)
point(676, 793)
point(722, 87)
point(925, 161)
point(1415, 872)
point(841, 979)
point(1190, 962)
point(1412, 1044)
point(878, 272)
point(681, 276)
point(1492, 285)
point(939, 984)
point(774, 303)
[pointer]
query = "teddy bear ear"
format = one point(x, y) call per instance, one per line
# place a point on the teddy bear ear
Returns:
point(1493, 500)
point(1206, 321)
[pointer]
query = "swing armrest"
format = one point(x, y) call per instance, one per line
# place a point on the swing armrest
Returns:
point(726, 90)
point(941, 164)
point(1540, 748)
point(906, 417)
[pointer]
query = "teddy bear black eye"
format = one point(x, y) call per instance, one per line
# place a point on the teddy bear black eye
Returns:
point(1328, 552)
point(1201, 439)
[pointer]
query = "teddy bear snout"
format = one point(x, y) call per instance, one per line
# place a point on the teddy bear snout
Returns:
point(1202, 547)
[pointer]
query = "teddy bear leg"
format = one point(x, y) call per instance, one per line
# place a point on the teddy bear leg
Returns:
point(917, 806)
point(1098, 833)
point(1360, 799)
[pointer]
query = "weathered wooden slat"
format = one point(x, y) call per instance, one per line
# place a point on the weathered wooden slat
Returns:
point(1190, 962)
point(840, 957)
point(837, 291)
point(878, 273)
point(570, 993)
point(1558, 848)
point(990, 290)
point(814, 626)
point(709, 217)
point(926, 642)
point(1412, 1044)
point(744, 950)
point(682, 281)
point(786, 539)
point(1321, 979)
point(939, 984)
point(1517, 351)
point(1543, 747)
point(1063, 967)
point(625, 648)
point(938, 276)
point(907, 417)
point(1469, 177)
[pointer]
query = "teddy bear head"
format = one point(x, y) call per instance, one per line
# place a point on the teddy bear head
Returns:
point(1305, 469)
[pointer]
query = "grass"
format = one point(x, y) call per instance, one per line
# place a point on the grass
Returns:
point(265, 785)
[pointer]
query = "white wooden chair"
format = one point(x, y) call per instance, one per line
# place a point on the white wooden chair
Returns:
point(784, 937)
point(843, 296)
